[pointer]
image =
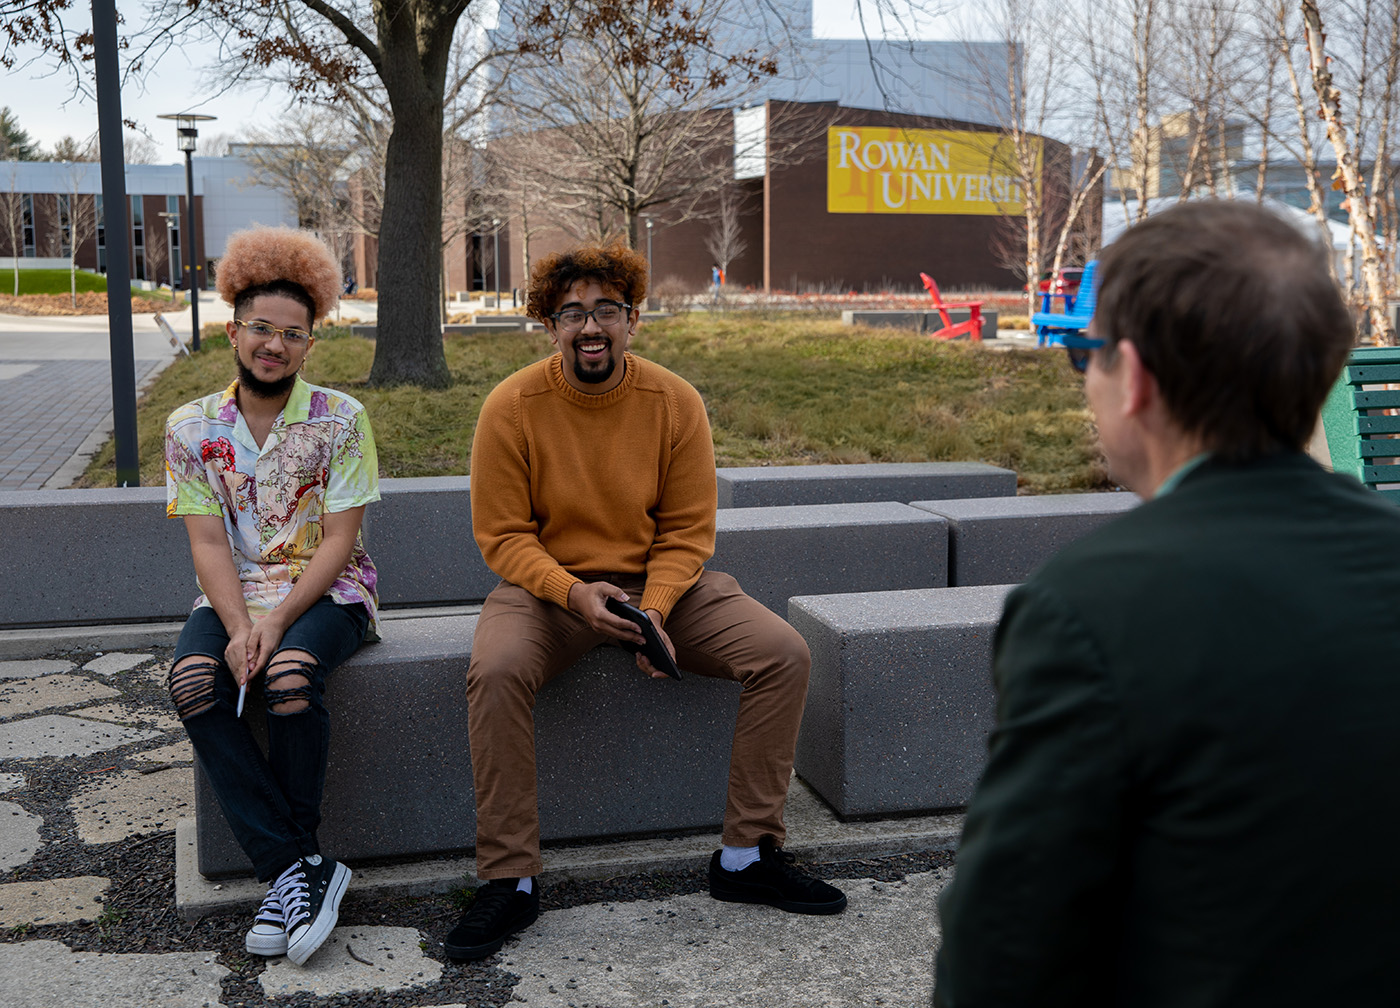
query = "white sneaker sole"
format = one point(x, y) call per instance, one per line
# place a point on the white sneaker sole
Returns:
point(309, 937)
point(266, 944)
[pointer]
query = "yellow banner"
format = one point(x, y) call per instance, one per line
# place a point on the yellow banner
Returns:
point(886, 169)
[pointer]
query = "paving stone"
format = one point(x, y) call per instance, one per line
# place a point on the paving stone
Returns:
point(19, 835)
point(176, 752)
point(50, 902)
point(114, 662)
point(60, 735)
point(11, 782)
point(129, 713)
point(41, 974)
point(119, 805)
point(393, 961)
point(33, 667)
point(25, 696)
point(695, 952)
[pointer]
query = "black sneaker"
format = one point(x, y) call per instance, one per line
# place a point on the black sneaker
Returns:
point(310, 891)
point(268, 935)
point(498, 912)
point(773, 881)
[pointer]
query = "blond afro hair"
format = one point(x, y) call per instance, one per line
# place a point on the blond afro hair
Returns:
point(272, 257)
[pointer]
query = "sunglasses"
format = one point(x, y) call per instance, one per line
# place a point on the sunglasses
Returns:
point(1078, 348)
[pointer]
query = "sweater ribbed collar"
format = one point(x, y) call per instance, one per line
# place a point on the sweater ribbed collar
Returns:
point(554, 368)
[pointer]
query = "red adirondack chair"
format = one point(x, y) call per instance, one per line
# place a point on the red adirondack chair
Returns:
point(972, 327)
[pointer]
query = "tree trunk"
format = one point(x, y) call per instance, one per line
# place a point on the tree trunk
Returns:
point(409, 346)
point(1329, 99)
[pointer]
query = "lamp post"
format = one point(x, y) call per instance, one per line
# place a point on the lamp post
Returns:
point(648, 222)
point(170, 262)
point(187, 135)
point(496, 257)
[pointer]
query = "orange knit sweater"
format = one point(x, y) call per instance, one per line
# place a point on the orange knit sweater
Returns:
point(621, 483)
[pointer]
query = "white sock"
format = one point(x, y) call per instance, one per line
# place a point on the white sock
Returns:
point(737, 858)
point(525, 885)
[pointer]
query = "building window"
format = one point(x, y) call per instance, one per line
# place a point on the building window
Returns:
point(101, 235)
point(172, 230)
point(29, 249)
point(65, 225)
point(138, 240)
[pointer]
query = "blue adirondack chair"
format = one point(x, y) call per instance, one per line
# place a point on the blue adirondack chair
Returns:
point(1050, 326)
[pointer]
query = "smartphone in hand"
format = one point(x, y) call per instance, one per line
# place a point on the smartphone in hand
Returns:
point(654, 649)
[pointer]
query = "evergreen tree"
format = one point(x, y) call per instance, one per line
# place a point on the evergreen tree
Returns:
point(15, 143)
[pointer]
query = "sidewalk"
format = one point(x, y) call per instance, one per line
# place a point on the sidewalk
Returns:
point(96, 779)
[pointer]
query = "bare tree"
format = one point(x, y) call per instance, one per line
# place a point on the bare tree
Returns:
point(138, 148)
point(1329, 101)
point(614, 137)
point(77, 220)
point(12, 220)
point(725, 241)
point(71, 149)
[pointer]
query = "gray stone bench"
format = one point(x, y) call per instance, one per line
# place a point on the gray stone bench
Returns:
point(773, 486)
point(1000, 540)
point(919, 320)
point(618, 754)
point(135, 565)
point(901, 697)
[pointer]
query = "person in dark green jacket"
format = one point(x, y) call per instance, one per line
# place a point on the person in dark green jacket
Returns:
point(1190, 798)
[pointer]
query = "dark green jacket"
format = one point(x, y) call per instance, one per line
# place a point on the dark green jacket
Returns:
point(1193, 790)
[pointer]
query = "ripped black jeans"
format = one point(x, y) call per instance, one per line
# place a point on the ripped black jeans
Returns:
point(273, 802)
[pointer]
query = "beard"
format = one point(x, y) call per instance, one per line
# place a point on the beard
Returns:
point(255, 386)
point(594, 377)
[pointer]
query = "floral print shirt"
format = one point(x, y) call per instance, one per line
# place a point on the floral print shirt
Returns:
point(318, 458)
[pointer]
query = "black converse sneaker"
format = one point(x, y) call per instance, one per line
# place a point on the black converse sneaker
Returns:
point(498, 912)
point(773, 881)
point(268, 935)
point(310, 892)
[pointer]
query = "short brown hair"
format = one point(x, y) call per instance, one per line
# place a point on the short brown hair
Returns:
point(615, 266)
point(279, 260)
point(1233, 310)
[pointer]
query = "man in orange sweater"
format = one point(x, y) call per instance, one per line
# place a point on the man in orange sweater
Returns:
point(593, 478)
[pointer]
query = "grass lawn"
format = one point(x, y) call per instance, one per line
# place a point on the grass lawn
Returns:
point(782, 389)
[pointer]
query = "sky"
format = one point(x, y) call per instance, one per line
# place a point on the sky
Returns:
point(180, 81)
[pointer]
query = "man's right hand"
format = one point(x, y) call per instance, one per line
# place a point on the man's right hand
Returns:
point(236, 654)
point(589, 600)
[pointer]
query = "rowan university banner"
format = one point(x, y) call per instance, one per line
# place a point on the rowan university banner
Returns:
point(887, 169)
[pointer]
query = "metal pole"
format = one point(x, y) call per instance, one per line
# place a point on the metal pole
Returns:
point(194, 242)
point(109, 126)
point(496, 258)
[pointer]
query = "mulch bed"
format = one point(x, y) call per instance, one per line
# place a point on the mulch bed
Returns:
point(89, 303)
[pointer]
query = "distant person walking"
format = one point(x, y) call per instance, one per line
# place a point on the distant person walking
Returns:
point(1190, 792)
point(272, 476)
point(716, 282)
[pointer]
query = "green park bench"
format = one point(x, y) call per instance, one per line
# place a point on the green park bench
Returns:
point(1363, 435)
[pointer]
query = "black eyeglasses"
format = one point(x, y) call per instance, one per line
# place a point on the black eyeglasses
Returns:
point(1078, 348)
point(606, 314)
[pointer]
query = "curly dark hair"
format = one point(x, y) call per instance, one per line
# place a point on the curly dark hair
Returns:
point(615, 266)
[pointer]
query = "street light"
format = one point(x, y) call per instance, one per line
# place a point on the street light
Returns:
point(187, 134)
point(170, 262)
point(648, 220)
point(496, 256)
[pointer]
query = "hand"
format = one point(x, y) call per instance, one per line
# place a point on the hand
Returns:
point(236, 654)
point(262, 642)
point(589, 598)
point(643, 662)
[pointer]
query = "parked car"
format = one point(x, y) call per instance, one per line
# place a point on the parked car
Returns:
point(1066, 283)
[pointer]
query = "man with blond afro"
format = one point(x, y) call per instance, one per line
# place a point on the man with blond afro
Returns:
point(271, 476)
point(593, 482)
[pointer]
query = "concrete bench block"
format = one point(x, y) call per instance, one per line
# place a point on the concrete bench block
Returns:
point(919, 320)
point(778, 552)
point(618, 754)
point(1000, 540)
point(420, 537)
point(91, 557)
point(772, 486)
point(901, 699)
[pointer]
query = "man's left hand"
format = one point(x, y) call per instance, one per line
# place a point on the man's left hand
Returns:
point(262, 642)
